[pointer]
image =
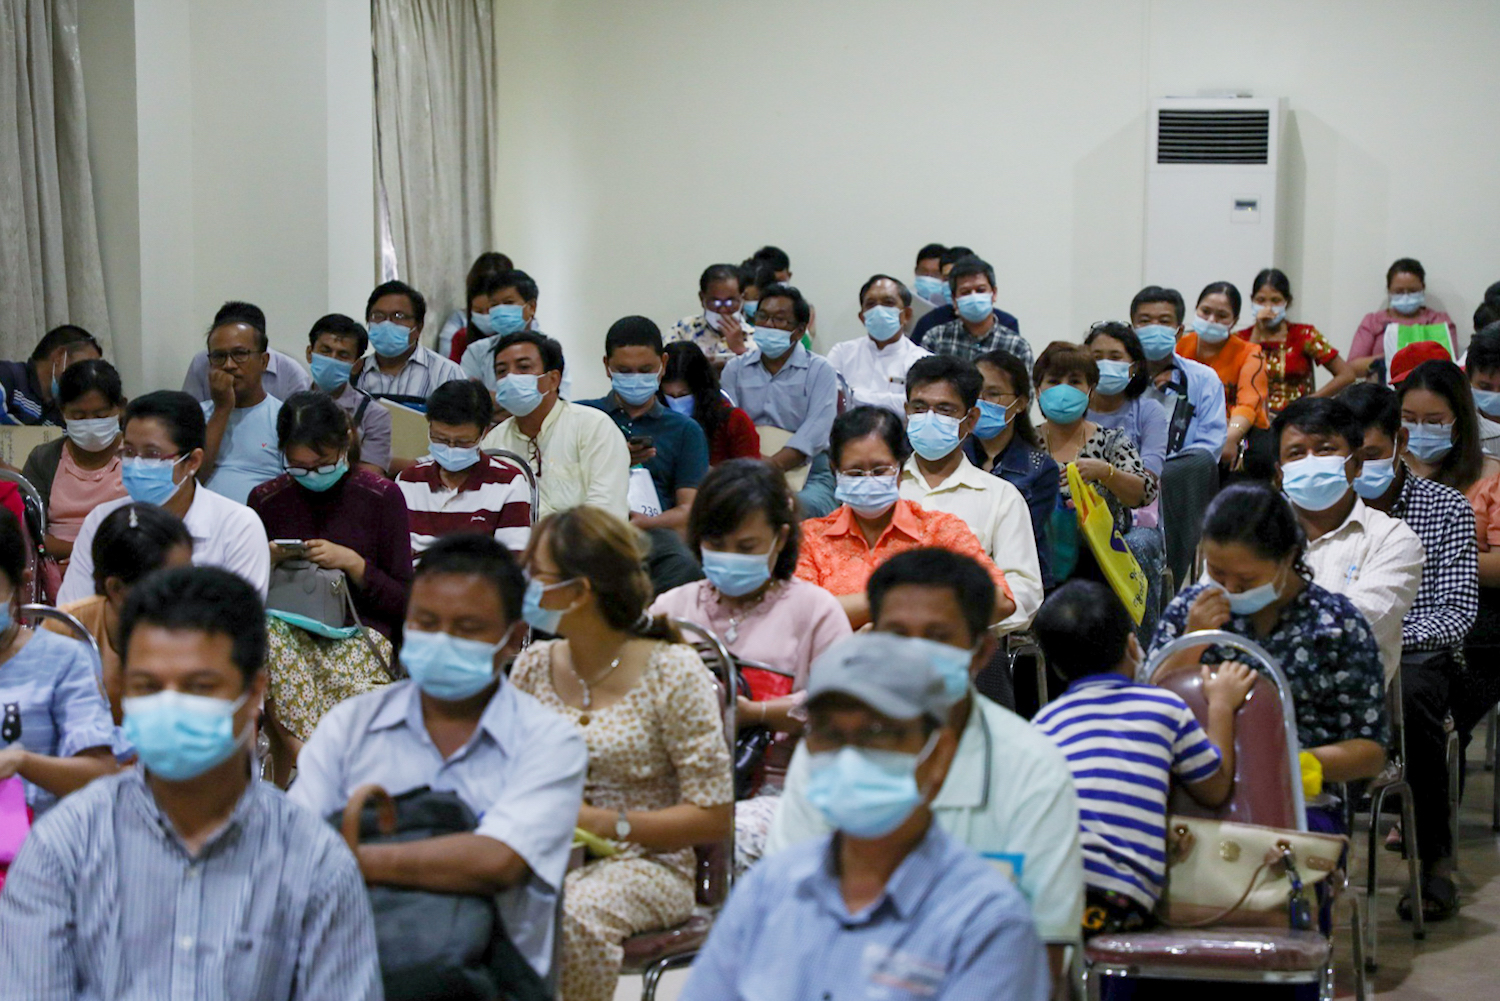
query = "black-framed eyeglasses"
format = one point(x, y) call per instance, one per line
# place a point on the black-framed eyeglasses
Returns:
point(218, 359)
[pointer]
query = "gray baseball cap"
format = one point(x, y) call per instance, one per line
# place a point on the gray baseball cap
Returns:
point(888, 673)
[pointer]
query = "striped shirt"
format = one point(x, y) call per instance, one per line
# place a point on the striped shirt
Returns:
point(494, 499)
point(423, 372)
point(105, 901)
point(1124, 742)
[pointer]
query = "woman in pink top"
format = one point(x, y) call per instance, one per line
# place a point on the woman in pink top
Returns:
point(1406, 284)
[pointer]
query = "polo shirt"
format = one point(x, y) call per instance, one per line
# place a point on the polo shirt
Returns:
point(944, 926)
point(945, 313)
point(495, 498)
point(998, 516)
point(876, 375)
point(1008, 796)
point(802, 397)
point(1197, 416)
point(681, 459)
point(374, 425)
point(521, 772)
point(423, 372)
point(249, 454)
point(225, 534)
point(578, 457)
point(284, 375)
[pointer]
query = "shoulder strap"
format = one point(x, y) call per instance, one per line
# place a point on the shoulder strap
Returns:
point(359, 411)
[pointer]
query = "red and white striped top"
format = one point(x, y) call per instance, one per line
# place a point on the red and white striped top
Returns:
point(494, 499)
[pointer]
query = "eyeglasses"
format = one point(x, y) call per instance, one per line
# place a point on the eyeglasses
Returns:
point(877, 471)
point(874, 737)
point(724, 303)
point(240, 355)
point(404, 319)
point(775, 323)
point(301, 471)
point(467, 443)
point(943, 409)
point(126, 452)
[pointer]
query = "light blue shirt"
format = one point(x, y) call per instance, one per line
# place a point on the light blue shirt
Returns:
point(803, 397)
point(1209, 427)
point(1144, 421)
point(248, 453)
point(521, 772)
point(947, 927)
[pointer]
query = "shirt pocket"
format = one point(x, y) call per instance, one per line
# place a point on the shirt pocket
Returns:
point(260, 966)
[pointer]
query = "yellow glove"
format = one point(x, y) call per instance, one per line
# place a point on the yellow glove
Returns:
point(1312, 775)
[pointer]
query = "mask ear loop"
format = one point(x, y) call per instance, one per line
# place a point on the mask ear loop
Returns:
point(922, 756)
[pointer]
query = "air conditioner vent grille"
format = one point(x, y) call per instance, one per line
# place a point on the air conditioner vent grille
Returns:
point(1213, 136)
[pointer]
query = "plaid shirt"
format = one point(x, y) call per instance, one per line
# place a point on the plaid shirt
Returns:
point(953, 338)
point(1447, 600)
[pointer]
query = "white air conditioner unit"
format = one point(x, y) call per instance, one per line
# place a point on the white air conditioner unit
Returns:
point(1211, 191)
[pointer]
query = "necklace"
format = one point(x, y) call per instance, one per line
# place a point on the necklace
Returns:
point(732, 634)
point(588, 697)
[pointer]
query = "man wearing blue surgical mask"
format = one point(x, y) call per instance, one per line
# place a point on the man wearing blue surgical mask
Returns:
point(503, 304)
point(198, 881)
point(402, 368)
point(874, 366)
point(932, 279)
point(457, 725)
point(1008, 794)
point(942, 396)
point(886, 893)
point(334, 344)
point(974, 329)
point(1372, 559)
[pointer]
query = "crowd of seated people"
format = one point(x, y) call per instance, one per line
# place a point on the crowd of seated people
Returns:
point(258, 580)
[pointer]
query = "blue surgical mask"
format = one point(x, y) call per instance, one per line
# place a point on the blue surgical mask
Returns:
point(1487, 401)
point(683, 405)
point(992, 420)
point(448, 668)
point(947, 293)
point(975, 306)
point(1316, 482)
point(932, 435)
point(868, 496)
point(930, 288)
point(149, 481)
point(389, 338)
point(180, 736)
point(329, 373)
point(1429, 442)
point(773, 343)
point(545, 619)
point(507, 318)
point(1251, 601)
point(319, 480)
point(635, 388)
point(882, 323)
point(736, 574)
point(481, 322)
point(864, 793)
point(1114, 376)
point(748, 307)
point(1157, 340)
point(951, 663)
point(1208, 331)
point(1375, 478)
point(1063, 404)
point(1408, 303)
point(517, 394)
point(451, 457)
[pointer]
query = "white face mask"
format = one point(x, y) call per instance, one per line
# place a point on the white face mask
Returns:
point(94, 434)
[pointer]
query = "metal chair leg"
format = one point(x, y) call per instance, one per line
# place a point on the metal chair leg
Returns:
point(1357, 944)
point(1413, 862)
point(1455, 785)
point(1490, 722)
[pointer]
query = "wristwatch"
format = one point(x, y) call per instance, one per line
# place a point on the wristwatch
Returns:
point(622, 826)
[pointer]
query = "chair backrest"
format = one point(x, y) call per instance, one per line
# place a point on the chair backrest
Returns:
point(716, 861)
point(33, 529)
point(525, 470)
point(36, 613)
point(1267, 773)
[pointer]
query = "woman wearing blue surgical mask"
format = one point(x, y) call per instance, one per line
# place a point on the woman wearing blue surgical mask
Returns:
point(659, 776)
point(56, 732)
point(744, 529)
point(1442, 427)
point(1238, 363)
point(81, 470)
point(1406, 305)
point(690, 386)
point(1066, 377)
point(1292, 351)
point(1256, 584)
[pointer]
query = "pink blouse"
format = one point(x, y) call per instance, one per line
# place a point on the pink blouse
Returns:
point(77, 491)
point(1369, 339)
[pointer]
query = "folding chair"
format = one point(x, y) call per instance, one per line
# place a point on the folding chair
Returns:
point(1393, 782)
point(520, 464)
point(34, 528)
point(1267, 791)
point(36, 613)
point(653, 953)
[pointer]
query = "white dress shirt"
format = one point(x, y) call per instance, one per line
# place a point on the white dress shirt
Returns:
point(1375, 561)
point(225, 534)
point(997, 514)
point(579, 457)
point(875, 375)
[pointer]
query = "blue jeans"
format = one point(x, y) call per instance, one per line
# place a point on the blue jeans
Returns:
point(816, 496)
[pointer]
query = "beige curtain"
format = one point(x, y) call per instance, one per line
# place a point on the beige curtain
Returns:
point(434, 106)
point(49, 240)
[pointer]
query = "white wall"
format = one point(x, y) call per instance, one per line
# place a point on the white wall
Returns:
point(640, 142)
point(234, 163)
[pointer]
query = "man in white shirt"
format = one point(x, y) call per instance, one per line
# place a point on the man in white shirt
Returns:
point(1372, 559)
point(401, 368)
point(874, 366)
point(942, 394)
point(162, 452)
point(578, 454)
point(240, 452)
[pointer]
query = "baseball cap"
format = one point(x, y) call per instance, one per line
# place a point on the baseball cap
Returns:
point(890, 674)
point(1413, 355)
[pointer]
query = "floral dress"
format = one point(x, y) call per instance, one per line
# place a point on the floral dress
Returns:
point(1291, 362)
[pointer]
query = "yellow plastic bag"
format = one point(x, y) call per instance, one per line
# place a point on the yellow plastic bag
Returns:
point(1097, 526)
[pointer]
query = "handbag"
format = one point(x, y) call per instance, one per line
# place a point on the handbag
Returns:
point(317, 599)
point(434, 945)
point(1096, 523)
point(1220, 872)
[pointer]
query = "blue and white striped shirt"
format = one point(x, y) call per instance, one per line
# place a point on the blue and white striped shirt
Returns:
point(104, 901)
point(1124, 742)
